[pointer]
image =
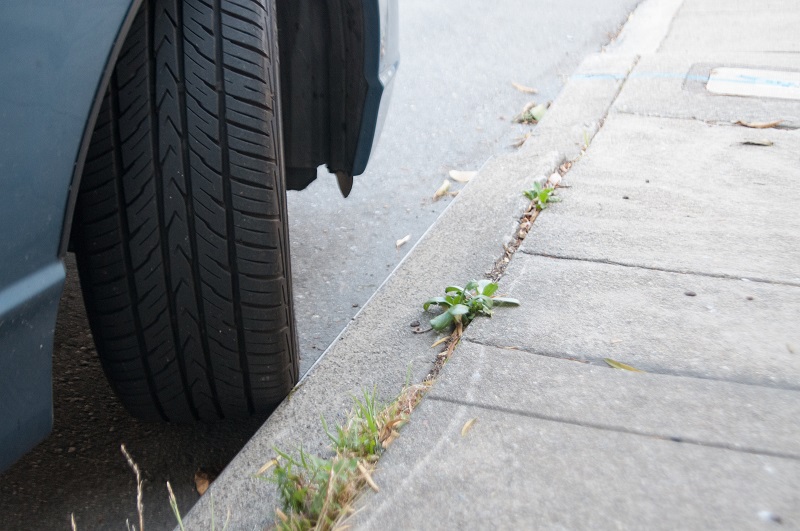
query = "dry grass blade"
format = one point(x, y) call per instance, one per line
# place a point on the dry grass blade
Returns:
point(72, 521)
point(139, 494)
point(468, 426)
point(328, 498)
point(759, 125)
point(522, 88)
point(619, 365)
point(440, 341)
point(269, 464)
point(281, 515)
point(173, 503)
point(368, 477)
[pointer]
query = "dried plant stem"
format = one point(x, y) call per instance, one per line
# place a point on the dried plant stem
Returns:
point(139, 494)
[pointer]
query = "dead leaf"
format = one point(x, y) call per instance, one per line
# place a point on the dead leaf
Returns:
point(202, 480)
point(462, 176)
point(618, 365)
point(365, 474)
point(468, 426)
point(269, 464)
point(440, 341)
point(390, 439)
point(758, 125)
point(442, 190)
point(761, 142)
point(522, 88)
point(402, 241)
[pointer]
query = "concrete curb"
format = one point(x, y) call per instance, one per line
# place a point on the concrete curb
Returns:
point(378, 349)
point(646, 28)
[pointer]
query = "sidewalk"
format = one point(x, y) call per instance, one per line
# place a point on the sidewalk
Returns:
point(665, 203)
point(676, 250)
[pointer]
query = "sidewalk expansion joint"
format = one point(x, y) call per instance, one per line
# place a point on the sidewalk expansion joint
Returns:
point(599, 362)
point(562, 166)
point(619, 429)
point(723, 276)
point(722, 123)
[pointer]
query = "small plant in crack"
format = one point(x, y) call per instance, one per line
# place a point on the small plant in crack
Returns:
point(462, 305)
point(541, 195)
point(319, 493)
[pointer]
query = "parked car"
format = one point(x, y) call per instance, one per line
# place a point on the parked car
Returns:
point(156, 139)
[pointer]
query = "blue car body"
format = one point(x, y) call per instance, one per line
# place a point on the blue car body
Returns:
point(55, 63)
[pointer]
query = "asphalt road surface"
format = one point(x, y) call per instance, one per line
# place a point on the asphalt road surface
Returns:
point(452, 109)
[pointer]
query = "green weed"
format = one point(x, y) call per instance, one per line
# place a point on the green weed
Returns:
point(317, 493)
point(462, 305)
point(360, 437)
point(541, 195)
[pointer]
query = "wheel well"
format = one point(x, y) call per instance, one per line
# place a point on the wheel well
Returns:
point(86, 140)
point(321, 46)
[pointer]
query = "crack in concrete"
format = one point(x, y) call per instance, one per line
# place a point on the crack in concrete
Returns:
point(562, 166)
point(620, 429)
point(723, 276)
point(599, 362)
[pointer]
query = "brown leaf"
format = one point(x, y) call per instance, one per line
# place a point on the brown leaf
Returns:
point(442, 190)
point(760, 142)
point(618, 365)
point(759, 125)
point(523, 88)
point(390, 439)
point(462, 176)
point(468, 426)
point(202, 480)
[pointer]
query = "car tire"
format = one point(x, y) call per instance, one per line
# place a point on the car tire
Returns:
point(181, 226)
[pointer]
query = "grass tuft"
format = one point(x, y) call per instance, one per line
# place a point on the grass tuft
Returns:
point(318, 493)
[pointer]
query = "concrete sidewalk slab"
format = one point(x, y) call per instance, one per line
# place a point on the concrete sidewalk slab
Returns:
point(564, 471)
point(378, 348)
point(513, 471)
point(706, 412)
point(642, 197)
point(573, 119)
point(590, 311)
point(735, 26)
point(674, 86)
